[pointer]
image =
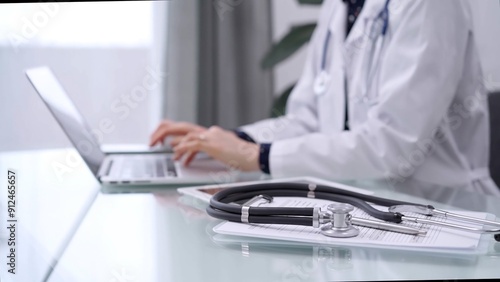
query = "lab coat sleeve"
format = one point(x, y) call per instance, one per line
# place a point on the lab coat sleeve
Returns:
point(301, 111)
point(419, 76)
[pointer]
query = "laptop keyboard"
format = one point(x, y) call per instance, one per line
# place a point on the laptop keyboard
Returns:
point(148, 168)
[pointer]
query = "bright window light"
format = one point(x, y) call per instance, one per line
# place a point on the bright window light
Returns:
point(127, 23)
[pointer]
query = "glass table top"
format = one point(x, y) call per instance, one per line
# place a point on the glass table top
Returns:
point(160, 235)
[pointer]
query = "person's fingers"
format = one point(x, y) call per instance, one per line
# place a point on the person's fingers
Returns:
point(190, 157)
point(180, 148)
point(162, 124)
point(176, 140)
point(195, 142)
point(167, 129)
point(186, 147)
point(178, 156)
point(153, 139)
point(161, 132)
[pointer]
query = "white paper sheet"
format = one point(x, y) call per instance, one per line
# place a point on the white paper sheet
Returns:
point(436, 237)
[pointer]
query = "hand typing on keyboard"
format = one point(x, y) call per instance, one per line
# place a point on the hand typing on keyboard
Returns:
point(222, 145)
point(176, 130)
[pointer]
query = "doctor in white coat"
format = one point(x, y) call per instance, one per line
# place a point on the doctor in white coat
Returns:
point(400, 98)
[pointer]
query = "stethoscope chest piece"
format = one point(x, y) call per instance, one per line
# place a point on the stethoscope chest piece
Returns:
point(340, 225)
point(321, 83)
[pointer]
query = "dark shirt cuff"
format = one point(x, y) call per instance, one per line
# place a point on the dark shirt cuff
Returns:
point(265, 149)
point(243, 135)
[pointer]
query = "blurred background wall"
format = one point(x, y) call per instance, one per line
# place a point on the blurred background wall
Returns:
point(99, 51)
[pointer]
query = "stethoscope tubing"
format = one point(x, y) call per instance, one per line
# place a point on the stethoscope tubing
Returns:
point(325, 49)
point(321, 77)
point(221, 201)
point(261, 219)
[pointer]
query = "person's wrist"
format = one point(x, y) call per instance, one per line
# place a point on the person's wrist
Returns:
point(249, 156)
point(253, 158)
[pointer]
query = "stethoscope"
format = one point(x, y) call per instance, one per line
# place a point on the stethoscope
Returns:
point(377, 35)
point(235, 204)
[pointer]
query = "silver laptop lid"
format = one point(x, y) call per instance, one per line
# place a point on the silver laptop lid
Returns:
point(67, 115)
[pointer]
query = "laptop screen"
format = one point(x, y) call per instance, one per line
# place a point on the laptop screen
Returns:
point(67, 115)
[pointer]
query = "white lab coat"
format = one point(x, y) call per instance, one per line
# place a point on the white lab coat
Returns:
point(425, 118)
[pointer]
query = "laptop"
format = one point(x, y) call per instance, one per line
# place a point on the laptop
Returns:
point(120, 168)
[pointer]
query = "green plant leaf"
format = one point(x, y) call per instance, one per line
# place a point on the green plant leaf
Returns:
point(279, 104)
point(298, 36)
point(311, 2)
